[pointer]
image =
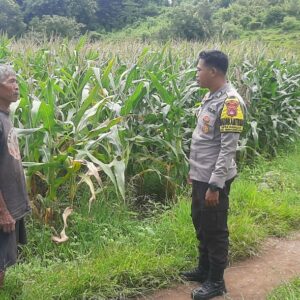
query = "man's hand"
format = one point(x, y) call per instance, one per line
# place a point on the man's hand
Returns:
point(211, 198)
point(7, 223)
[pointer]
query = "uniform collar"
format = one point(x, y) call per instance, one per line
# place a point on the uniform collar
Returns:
point(221, 91)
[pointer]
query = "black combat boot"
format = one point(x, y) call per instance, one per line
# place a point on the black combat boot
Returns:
point(208, 290)
point(199, 274)
point(212, 287)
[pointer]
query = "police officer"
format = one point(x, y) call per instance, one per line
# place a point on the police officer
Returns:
point(212, 170)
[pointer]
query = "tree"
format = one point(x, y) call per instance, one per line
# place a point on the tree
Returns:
point(39, 8)
point(192, 23)
point(56, 25)
point(115, 14)
point(84, 11)
point(290, 23)
point(293, 8)
point(11, 20)
point(109, 14)
point(274, 16)
point(221, 3)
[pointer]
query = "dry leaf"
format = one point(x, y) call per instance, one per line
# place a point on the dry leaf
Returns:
point(63, 237)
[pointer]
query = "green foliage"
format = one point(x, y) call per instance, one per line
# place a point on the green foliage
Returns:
point(192, 20)
point(273, 113)
point(274, 16)
point(106, 121)
point(221, 19)
point(290, 23)
point(288, 291)
point(293, 8)
point(39, 8)
point(275, 38)
point(116, 14)
point(11, 18)
point(113, 253)
point(230, 31)
point(83, 11)
point(255, 25)
point(56, 25)
point(4, 48)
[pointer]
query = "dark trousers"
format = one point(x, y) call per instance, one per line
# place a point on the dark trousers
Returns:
point(211, 228)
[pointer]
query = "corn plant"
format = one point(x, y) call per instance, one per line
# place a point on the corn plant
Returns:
point(274, 105)
point(99, 118)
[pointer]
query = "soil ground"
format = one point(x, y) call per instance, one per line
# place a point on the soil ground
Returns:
point(254, 278)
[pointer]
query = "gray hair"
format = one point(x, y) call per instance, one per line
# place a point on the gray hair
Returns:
point(6, 71)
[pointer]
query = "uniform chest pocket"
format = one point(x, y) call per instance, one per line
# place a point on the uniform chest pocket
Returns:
point(206, 124)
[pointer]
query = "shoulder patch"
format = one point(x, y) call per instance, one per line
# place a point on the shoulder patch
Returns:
point(232, 116)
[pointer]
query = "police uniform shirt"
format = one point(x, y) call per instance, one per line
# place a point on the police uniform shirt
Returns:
point(214, 142)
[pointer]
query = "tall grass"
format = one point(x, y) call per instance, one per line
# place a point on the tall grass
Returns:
point(112, 253)
point(288, 291)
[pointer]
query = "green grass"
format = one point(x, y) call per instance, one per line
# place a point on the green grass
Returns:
point(288, 291)
point(275, 37)
point(142, 30)
point(112, 252)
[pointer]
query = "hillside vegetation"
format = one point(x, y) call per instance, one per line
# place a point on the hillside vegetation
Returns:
point(148, 19)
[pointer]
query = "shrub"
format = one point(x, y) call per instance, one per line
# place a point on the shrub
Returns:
point(57, 25)
point(230, 30)
point(290, 23)
point(255, 25)
point(274, 16)
point(95, 36)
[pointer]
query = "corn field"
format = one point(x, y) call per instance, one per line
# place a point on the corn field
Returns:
point(114, 118)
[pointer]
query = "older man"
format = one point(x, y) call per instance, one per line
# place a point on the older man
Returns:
point(14, 204)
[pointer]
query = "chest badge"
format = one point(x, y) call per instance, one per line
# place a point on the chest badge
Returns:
point(206, 119)
point(205, 127)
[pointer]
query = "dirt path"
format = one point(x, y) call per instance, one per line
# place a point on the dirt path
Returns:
point(254, 278)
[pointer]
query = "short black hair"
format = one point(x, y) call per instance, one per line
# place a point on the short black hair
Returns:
point(215, 59)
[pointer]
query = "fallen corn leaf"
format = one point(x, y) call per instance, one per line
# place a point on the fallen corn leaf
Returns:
point(63, 237)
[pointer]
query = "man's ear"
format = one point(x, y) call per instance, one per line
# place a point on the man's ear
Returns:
point(214, 71)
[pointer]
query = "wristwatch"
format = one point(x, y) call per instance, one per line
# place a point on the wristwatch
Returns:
point(213, 187)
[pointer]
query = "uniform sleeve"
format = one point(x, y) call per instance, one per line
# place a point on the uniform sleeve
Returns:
point(231, 125)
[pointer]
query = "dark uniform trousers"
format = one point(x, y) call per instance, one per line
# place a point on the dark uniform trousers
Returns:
point(211, 228)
